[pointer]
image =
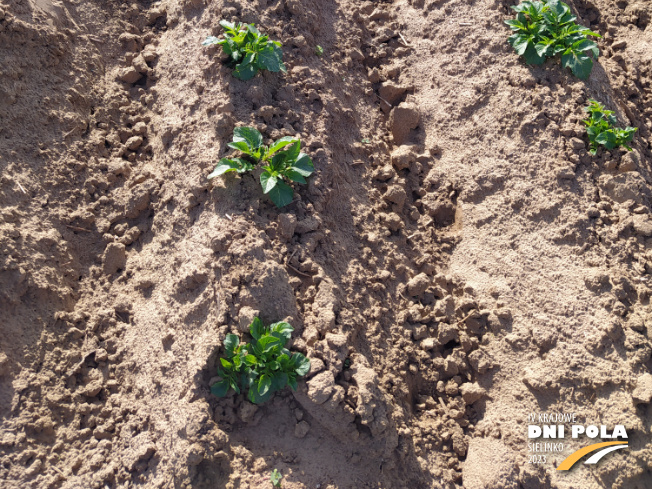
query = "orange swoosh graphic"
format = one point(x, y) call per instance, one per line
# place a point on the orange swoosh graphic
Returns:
point(575, 456)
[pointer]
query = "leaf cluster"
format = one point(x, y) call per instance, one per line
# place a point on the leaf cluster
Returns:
point(544, 29)
point(600, 128)
point(278, 166)
point(249, 51)
point(262, 366)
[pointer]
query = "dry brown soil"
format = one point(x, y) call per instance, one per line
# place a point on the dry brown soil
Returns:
point(457, 261)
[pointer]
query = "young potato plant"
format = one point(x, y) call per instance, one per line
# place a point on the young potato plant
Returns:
point(276, 478)
point(262, 366)
point(249, 51)
point(546, 29)
point(278, 166)
point(600, 128)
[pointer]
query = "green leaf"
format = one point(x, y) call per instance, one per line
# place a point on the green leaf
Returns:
point(516, 25)
point(303, 165)
point(268, 181)
point(228, 26)
point(267, 343)
point(210, 40)
point(532, 57)
point(257, 329)
point(270, 58)
point(220, 389)
point(231, 342)
point(278, 162)
point(248, 135)
point(240, 145)
point(227, 165)
point(292, 381)
point(251, 28)
point(607, 139)
point(247, 69)
point(283, 330)
point(520, 43)
point(279, 381)
point(280, 144)
point(579, 63)
point(294, 176)
point(586, 45)
point(226, 364)
point(282, 194)
point(302, 364)
point(264, 384)
point(250, 360)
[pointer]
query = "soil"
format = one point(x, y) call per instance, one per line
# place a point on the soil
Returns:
point(457, 261)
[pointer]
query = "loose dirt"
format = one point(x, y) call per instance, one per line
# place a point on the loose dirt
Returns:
point(457, 262)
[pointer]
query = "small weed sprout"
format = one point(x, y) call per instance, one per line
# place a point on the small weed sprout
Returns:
point(276, 478)
point(600, 129)
point(319, 51)
point(249, 51)
point(546, 29)
point(278, 166)
point(262, 366)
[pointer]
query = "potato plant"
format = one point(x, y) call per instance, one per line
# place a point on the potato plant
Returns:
point(546, 29)
point(276, 478)
point(601, 131)
point(249, 51)
point(279, 167)
point(262, 366)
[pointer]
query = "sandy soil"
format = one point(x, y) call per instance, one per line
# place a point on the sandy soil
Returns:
point(457, 262)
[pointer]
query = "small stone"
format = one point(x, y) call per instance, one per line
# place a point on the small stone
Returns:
point(134, 142)
point(403, 156)
point(417, 285)
point(428, 344)
point(149, 54)
point(130, 75)
point(593, 212)
point(247, 411)
point(92, 389)
point(138, 202)
point(642, 225)
point(287, 223)
point(643, 392)
point(622, 44)
point(577, 143)
point(301, 429)
point(628, 163)
point(196, 454)
point(321, 387)
point(384, 173)
point(140, 128)
point(446, 332)
point(246, 317)
point(472, 392)
point(391, 92)
point(402, 119)
point(396, 194)
point(101, 355)
point(140, 64)
point(307, 225)
point(566, 173)
point(394, 222)
point(316, 365)
point(114, 258)
point(4, 364)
